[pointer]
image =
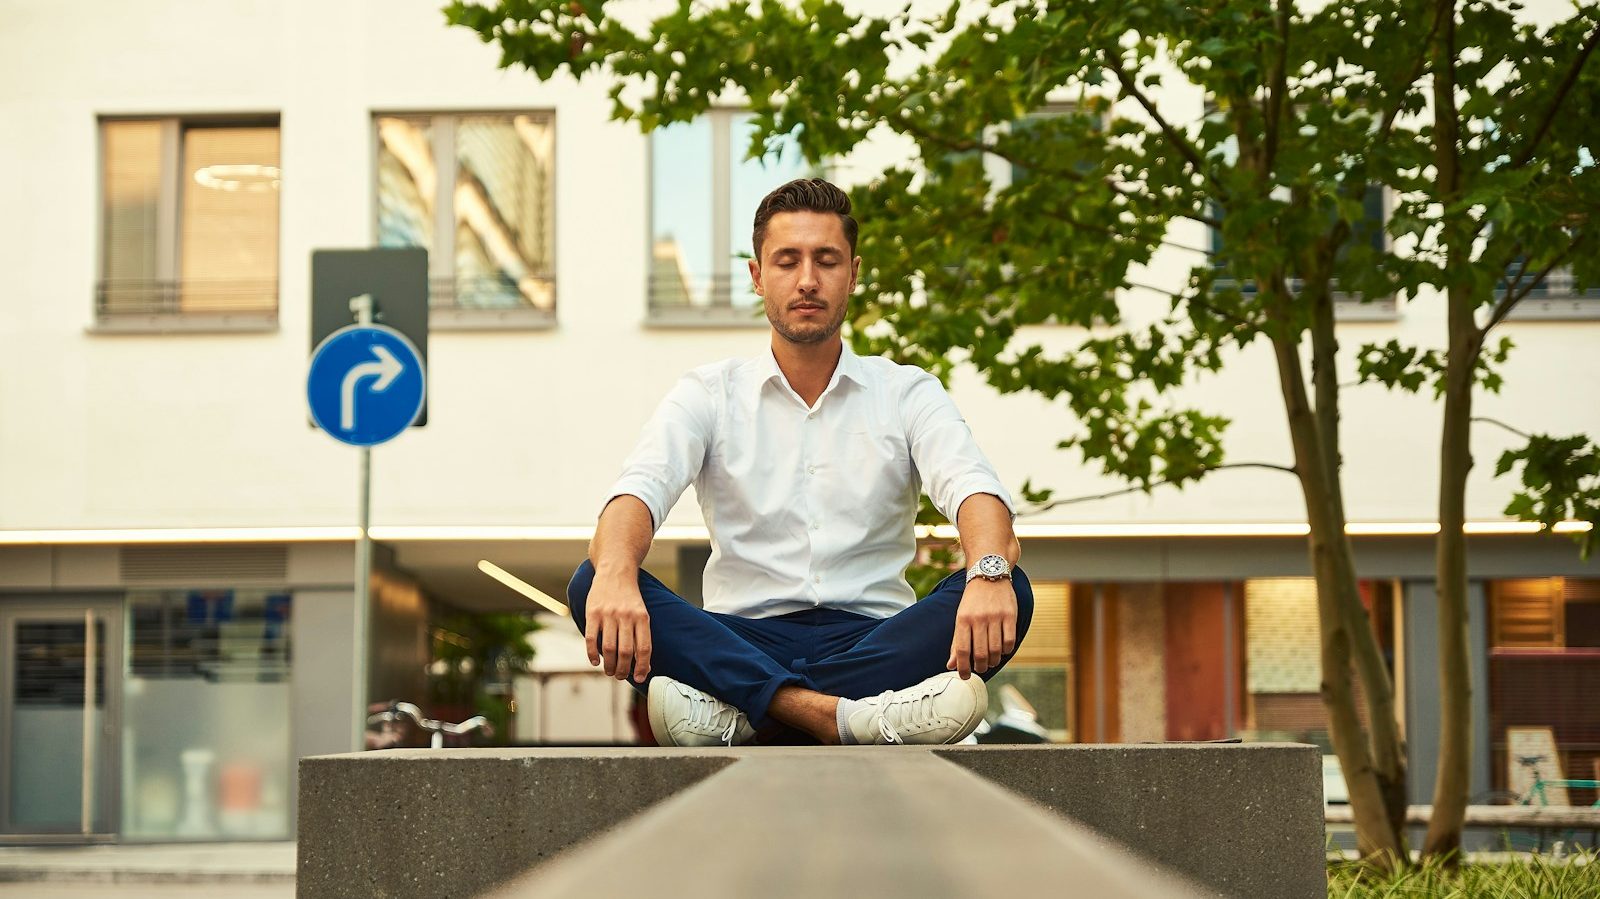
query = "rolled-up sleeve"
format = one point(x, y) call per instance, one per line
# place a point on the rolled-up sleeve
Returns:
point(943, 449)
point(671, 450)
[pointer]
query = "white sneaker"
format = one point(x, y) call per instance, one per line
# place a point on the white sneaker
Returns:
point(942, 709)
point(680, 715)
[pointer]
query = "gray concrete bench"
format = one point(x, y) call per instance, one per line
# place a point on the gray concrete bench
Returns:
point(1109, 821)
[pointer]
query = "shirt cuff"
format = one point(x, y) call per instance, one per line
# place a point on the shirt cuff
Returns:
point(646, 490)
point(972, 486)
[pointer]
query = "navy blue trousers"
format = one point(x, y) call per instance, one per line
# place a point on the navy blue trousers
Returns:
point(743, 661)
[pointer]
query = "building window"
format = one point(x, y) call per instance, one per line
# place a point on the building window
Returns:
point(190, 221)
point(1369, 231)
point(1544, 660)
point(477, 191)
point(1555, 296)
point(703, 198)
point(206, 751)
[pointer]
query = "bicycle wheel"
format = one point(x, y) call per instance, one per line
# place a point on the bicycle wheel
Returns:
point(1508, 839)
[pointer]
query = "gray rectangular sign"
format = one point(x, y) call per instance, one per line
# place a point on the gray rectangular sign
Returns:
point(397, 280)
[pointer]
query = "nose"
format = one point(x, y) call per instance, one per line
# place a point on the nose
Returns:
point(808, 283)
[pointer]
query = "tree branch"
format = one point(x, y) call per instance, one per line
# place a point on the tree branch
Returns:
point(1279, 87)
point(1571, 78)
point(1502, 425)
point(1513, 297)
point(1156, 483)
point(1178, 141)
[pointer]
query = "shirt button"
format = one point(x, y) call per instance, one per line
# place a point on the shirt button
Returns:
point(817, 579)
point(816, 526)
point(811, 469)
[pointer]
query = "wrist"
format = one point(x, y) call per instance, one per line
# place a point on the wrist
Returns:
point(616, 571)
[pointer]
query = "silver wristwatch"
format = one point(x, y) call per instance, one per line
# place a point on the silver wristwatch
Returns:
point(990, 568)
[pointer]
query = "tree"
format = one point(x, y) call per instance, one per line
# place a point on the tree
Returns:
point(1305, 111)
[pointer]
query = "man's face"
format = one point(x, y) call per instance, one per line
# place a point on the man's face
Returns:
point(805, 275)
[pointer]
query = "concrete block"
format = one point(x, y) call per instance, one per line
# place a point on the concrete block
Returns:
point(1229, 820)
point(411, 822)
point(1245, 820)
point(851, 821)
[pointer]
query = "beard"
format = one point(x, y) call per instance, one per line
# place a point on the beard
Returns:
point(804, 333)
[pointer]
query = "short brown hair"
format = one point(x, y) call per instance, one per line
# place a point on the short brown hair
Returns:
point(804, 195)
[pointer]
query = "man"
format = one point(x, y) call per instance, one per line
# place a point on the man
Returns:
point(807, 462)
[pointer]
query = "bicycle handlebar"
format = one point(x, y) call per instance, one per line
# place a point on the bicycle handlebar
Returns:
point(398, 710)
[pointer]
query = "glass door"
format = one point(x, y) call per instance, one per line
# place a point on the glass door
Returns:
point(60, 697)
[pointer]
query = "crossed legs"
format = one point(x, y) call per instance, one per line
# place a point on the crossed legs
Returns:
point(793, 670)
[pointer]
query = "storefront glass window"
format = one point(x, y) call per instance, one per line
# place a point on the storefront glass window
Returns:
point(206, 739)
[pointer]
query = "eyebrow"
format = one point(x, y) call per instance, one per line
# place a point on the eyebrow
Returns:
point(800, 252)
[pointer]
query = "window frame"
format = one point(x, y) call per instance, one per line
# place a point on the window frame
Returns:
point(715, 314)
point(1569, 304)
point(169, 233)
point(441, 265)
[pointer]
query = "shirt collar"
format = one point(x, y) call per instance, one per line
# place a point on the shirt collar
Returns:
point(849, 366)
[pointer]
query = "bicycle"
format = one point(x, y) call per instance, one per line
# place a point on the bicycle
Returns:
point(392, 713)
point(1538, 794)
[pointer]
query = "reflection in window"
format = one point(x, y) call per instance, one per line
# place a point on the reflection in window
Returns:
point(477, 192)
point(190, 217)
point(229, 240)
point(206, 744)
point(704, 194)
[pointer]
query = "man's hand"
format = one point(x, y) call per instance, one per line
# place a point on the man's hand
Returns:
point(986, 627)
point(617, 628)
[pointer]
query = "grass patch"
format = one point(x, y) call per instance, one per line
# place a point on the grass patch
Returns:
point(1574, 877)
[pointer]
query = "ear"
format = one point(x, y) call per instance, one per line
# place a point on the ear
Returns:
point(855, 272)
point(755, 274)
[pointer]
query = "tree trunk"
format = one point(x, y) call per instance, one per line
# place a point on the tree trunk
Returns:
point(1451, 785)
point(1380, 837)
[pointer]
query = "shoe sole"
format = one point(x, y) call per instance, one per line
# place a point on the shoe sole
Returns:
point(977, 686)
point(658, 727)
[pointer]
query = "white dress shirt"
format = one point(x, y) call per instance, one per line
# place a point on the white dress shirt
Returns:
point(808, 506)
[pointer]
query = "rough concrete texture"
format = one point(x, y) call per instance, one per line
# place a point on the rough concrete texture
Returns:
point(1238, 820)
point(1243, 819)
point(858, 821)
point(455, 823)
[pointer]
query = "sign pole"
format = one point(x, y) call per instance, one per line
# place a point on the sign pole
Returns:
point(361, 306)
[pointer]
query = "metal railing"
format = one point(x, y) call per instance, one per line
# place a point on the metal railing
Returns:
point(493, 293)
point(671, 295)
point(117, 297)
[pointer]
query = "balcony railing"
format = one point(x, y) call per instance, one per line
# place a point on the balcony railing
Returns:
point(678, 300)
point(150, 297)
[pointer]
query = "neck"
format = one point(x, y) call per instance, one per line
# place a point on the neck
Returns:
point(807, 367)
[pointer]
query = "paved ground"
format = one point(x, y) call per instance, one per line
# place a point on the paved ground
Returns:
point(146, 891)
point(180, 871)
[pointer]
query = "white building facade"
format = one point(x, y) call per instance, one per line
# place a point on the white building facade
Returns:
point(167, 511)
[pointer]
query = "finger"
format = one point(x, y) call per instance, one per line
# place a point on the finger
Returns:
point(625, 651)
point(995, 642)
point(641, 651)
point(608, 648)
point(1008, 635)
point(964, 651)
point(591, 639)
point(955, 647)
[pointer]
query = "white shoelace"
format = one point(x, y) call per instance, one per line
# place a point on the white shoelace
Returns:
point(705, 717)
point(914, 710)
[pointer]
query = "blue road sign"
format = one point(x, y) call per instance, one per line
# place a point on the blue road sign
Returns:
point(366, 384)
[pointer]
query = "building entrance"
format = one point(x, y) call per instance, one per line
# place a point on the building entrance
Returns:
point(60, 710)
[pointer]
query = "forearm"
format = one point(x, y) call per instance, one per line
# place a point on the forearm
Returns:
point(984, 523)
point(621, 538)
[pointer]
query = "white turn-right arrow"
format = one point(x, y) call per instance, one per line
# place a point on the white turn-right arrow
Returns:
point(386, 369)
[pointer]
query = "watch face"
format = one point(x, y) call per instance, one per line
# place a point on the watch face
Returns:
point(993, 566)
